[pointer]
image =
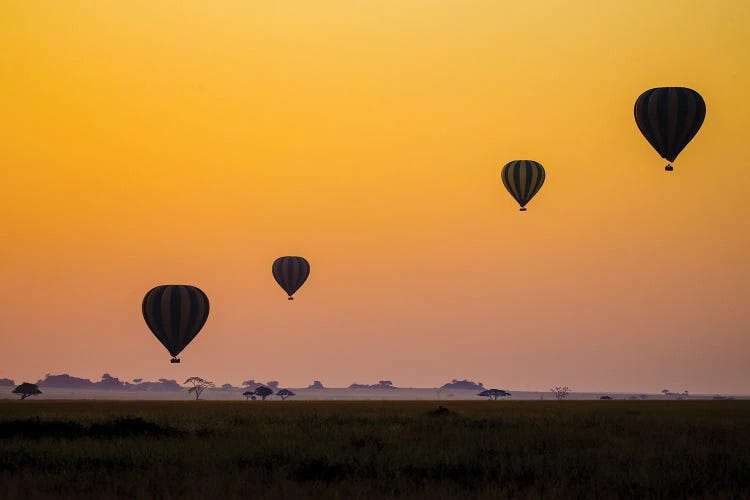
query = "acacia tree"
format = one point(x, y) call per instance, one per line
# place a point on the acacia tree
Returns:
point(199, 385)
point(560, 392)
point(249, 394)
point(263, 392)
point(285, 393)
point(493, 394)
point(27, 389)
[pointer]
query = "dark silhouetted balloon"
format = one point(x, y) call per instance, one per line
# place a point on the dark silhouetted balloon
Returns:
point(669, 117)
point(175, 313)
point(291, 273)
point(523, 179)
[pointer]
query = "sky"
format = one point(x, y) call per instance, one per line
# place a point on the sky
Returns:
point(152, 142)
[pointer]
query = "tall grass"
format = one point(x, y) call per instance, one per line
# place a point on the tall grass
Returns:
point(205, 449)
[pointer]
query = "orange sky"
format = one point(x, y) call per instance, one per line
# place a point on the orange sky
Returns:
point(150, 142)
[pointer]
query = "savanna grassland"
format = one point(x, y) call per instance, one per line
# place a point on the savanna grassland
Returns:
point(276, 449)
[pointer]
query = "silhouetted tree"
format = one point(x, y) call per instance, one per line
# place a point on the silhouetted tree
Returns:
point(607, 397)
point(263, 392)
point(285, 393)
point(27, 389)
point(560, 392)
point(137, 380)
point(249, 394)
point(199, 385)
point(493, 394)
point(665, 392)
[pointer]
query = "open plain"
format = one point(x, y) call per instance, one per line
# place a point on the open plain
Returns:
point(375, 449)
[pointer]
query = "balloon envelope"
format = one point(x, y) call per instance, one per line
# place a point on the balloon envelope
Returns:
point(175, 314)
point(523, 179)
point(669, 117)
point(291, 273)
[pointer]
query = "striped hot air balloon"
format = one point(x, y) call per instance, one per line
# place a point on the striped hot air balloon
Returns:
point(523, 179)
point(669, 117)
point(291, 273)
point(175, 314)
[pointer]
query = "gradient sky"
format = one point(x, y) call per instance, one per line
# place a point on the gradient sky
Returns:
point(150, 142)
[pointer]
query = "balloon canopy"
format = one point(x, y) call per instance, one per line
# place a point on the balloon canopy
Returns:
point(523, 179)
point(291, 273)
point(669, 117)
point(175, 314)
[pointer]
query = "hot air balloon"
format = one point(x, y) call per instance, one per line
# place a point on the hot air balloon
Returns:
point(175, 313)
point(291, 273)
point(669, 117)
point(523, 179)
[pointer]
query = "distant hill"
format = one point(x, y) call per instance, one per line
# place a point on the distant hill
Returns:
point(383, 384)
point(107, 383)
point(65, 381)
point(228, 388)
point(463, 384)
point(167, 385)
point(316, 385)
point(6, 382)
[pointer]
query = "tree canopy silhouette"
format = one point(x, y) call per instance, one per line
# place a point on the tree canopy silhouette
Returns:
point(493, 394)
point(263, 392)
point(560, 392)
point(27, 389)
point(199, 385)
point(285, 393)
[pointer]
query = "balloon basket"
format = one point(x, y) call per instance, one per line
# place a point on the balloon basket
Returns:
point(523, 209)
point(669, 168)
point(290, 298)
point(174, 360)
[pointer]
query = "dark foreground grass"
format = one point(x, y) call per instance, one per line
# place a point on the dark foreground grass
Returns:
point(291, 449)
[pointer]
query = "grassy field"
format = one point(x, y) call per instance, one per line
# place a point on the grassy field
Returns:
point(345, 449)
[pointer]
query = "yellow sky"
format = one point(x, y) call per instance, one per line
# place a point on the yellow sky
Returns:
point(151, 142)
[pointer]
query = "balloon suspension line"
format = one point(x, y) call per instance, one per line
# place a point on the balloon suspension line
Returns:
point(669, 167)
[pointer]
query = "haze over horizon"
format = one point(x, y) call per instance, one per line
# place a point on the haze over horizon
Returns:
point(147, 143)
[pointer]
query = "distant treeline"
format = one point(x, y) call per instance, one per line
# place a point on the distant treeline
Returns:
point(107, 383)
point(110, 383)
